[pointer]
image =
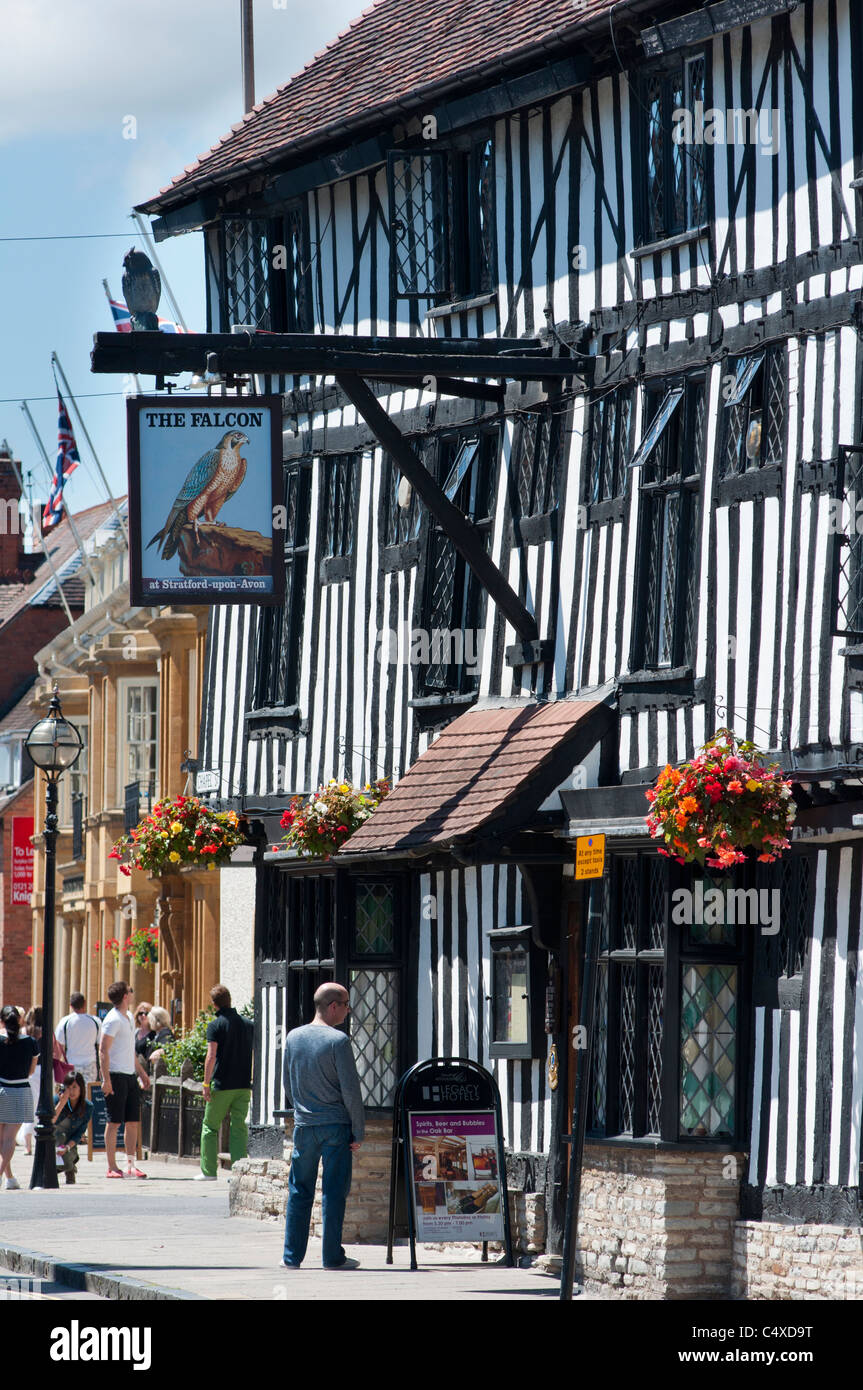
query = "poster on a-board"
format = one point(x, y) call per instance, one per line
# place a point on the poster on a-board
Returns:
point(207, 524)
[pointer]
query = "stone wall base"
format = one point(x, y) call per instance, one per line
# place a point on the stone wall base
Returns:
point(773, 1260)
point(657, 1223)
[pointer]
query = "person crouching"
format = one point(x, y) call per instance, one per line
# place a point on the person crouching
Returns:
point(71, 1119)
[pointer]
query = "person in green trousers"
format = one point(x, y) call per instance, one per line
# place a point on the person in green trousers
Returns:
point(227, 1082)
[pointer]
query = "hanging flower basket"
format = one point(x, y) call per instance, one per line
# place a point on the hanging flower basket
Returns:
point(142, 947)
point(711, 810)
point(112, 945)
point(179, 831)
point(317, 826)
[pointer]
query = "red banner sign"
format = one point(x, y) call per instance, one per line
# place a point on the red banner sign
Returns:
point(22, 859)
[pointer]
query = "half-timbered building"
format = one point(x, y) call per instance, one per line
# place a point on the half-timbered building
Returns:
point(596, 272)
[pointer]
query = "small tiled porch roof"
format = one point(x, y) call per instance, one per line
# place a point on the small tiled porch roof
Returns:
point(484, 766)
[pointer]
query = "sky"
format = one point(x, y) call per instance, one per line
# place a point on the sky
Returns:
point(73, 73)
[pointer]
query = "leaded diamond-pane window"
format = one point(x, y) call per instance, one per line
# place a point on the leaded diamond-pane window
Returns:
point(401, 507)
point(754, 412)
point(454, 601)
point(665, 1056)
point(418, 222)
point(671, 157)
point(280, 630)
point(374, 932)
point(536, 464)
point(298, 279)
point(247, 265)
point(374, 1033)
point(339, 495)
point(708, 1037)
point(670, 484)
point(610, 445)
point(847, 541)
point(484, 245)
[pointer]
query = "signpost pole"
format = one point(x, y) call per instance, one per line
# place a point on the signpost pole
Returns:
point(580, 1098)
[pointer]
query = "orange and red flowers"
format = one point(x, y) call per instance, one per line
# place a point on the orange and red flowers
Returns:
point(724, 801)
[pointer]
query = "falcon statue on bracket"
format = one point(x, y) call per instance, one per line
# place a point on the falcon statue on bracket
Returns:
point(208, 486)
point(142, 290)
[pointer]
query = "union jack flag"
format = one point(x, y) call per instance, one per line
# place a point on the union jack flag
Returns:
point(67, 462)
point(123, 319)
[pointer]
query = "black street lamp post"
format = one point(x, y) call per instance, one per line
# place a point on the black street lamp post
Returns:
point(54, 746)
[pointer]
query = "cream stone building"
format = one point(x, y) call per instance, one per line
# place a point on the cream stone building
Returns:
point(130, 678)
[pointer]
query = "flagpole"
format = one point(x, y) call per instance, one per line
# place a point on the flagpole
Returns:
point(110, 298)
point(145, 233)
point(55, 363)
point(72, 527)
point(51, 566)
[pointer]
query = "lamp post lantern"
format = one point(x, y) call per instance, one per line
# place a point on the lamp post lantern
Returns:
point(54, 745)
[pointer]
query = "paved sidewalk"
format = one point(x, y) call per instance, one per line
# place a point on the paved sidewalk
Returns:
point(171, 1238)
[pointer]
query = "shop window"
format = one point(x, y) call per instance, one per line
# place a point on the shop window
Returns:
point(667, 1038)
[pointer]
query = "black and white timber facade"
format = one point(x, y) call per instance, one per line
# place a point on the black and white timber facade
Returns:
point(679, 515)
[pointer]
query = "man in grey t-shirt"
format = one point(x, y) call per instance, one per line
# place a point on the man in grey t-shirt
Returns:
point(321, 1083)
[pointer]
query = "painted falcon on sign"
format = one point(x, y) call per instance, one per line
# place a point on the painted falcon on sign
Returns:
point(214, 478)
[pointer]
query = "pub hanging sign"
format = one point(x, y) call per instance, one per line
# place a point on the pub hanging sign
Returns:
point(207, 524)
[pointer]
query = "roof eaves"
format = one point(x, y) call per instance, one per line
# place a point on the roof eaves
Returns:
point(187, 189)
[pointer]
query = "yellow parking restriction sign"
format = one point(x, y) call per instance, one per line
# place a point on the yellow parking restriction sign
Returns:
point(589, 856)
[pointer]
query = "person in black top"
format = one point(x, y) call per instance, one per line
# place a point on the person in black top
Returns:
point(227, 1082)
point(18, 1058)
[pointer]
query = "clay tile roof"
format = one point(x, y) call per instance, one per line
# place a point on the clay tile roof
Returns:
point(16, 595)
point(396, 55)
point(472, 774)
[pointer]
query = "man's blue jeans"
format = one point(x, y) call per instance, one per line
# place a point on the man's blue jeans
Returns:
point(311, 1144)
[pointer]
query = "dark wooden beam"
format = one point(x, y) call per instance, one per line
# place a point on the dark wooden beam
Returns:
point(701, 24)
point(318, 354)
point(450, 386)
point(463, 534)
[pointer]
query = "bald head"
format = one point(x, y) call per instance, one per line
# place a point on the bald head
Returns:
point(327, 995)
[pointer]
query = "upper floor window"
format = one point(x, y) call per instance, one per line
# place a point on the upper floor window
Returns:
point(536, 463)
point(280, 630)
point(442, 227)
point(400, 506)
point(454, 600)
point(75, 783)
point(671, 166)
point(338, 501)
point(671, 455)
point(265, 273)
point(611, 423)
point(754, 412)
point(139, 734)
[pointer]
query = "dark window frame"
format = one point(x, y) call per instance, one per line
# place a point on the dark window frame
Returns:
point(607, 474)
point(475, 496)
point(338, 515)
point(535, 472)
point(765, 402)
point(664, 486)
point(287, 291)
point(461, 231)
point(614, 1096)
point(280, 629)
point(668, 201)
